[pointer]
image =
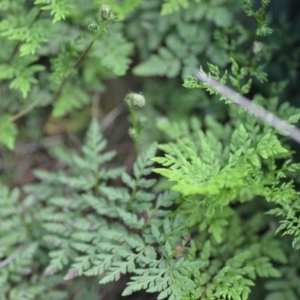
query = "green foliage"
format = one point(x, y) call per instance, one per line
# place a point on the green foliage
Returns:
point(230, 166)
point(8, 136)
point(28, 59)
point(70, 99)
point(92, 228)
point(59, 9)
point(123, 8)
point(21, 71)
point(170, 6)
point(218, 219)
point(115, 51)
point(85, 236)
point(167, 45)
point(28, 30)
point(19, 248)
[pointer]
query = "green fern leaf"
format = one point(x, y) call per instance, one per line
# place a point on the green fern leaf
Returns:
point(8, 132)
point(71, 98)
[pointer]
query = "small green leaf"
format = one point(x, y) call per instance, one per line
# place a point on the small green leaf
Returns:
point(8, 132)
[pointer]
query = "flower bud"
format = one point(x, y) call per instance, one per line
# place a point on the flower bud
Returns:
point(106, 13)
point(93, 26)
point(257, 47)
point(135, 100)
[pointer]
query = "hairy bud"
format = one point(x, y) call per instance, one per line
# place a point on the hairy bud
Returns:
point(257, 47)
point(135, 100)
point(106, 13)
point(93, 26)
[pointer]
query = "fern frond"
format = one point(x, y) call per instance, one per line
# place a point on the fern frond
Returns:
point(59, 9)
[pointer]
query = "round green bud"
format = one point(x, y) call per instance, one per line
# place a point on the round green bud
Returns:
point(135, 100)
point(133, 133)
point(93, 26)
point(257, 47)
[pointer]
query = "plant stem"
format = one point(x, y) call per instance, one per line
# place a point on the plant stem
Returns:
point(19, 114)
point(59, 91)
point(80, 59)
point(57, 94)
point(135, 127)
point(77, 63)
point(16, 48)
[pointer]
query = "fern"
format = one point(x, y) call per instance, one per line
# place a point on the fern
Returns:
point(19, 248)
point(8, 136)
point(122, 9)
point(101, 248)
point(94, 229)
point(171, 6)
point(113, 51)
point(25, 61)
point(72, 98)
point(173, 38)
point(218, 219)
point(32, 36)
point(59, 9)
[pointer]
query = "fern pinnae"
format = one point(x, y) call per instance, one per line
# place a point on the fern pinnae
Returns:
point(140, 168)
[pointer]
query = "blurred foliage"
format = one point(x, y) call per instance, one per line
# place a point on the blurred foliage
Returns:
point(41, 53)
point(175, 43)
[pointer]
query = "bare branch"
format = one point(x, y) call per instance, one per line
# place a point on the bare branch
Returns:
point(258, 111)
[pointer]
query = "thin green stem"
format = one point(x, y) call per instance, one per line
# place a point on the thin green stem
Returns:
point(133, 194)
point(19, 114)
point(76, 64)
point(136, 129)
point(80, 59)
